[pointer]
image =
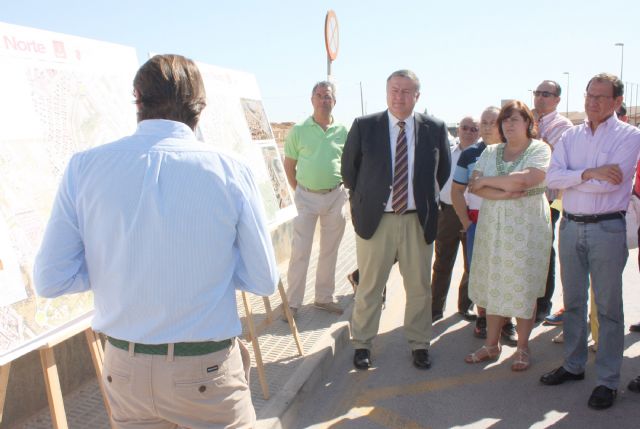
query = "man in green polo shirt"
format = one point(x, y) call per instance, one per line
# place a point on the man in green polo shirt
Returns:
point(313, 150)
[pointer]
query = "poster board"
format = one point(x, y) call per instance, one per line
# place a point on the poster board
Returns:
point(235, 120)
point(60, 94)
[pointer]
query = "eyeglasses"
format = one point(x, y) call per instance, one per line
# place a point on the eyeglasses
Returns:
point(468, 128)
point(596, 98)
point(545, 94)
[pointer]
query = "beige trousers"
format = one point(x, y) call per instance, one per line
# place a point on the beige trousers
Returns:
point(329, 208)
point(165, 392)
point(401, 237)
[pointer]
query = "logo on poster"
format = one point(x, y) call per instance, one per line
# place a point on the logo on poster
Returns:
point(34, 46)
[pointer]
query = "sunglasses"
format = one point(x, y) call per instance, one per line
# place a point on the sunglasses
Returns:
point(467, 128)
point(545, 94)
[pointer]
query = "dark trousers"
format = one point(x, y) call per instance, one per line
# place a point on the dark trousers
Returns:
point(448, 237)
point(544, 303)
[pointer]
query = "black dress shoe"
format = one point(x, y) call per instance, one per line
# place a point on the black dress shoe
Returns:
point(421, 359)
point(540, 315)
point(508, 334)
point(362, 359)
point(559, 376)
point(467, 315)
point(435, 316)
point(480, 330)
point(602, 398)
point(635, 327)
point(634, 385)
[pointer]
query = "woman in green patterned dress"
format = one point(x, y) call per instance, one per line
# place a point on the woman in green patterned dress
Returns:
point(513, 236)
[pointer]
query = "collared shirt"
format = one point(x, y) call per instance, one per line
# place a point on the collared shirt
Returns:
point(445, 192)
point(410, 131)
point(552, 126)
point(614, 142)
point(317, 153)
point(464, 169)
point(163, 229)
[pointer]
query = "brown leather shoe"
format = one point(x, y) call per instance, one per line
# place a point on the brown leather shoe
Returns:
point(331, 307)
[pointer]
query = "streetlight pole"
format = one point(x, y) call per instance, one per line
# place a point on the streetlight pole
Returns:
point(621, 56)
point(567, 93)
point(361, 100)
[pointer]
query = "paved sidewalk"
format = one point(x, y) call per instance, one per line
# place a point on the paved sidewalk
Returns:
point(285, 372)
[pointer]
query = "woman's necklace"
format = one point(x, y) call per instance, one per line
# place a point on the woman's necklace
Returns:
point(501, 166)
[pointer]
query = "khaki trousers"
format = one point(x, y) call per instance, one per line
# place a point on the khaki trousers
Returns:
point(329, 208)
point(401, 237)
point(165, 392)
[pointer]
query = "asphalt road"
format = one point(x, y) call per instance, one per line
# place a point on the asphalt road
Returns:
point(453, 394)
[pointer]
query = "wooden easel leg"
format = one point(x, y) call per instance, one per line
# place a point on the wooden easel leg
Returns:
point(4, 382)
point(256, 347)
point(97, 356)
point(292, 322)
point(267, 309)
point(54, 392)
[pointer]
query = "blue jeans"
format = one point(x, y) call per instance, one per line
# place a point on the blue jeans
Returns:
point(596, 250)
point(471, 235)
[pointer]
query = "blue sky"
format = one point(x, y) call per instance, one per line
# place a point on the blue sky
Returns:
point(468, 54)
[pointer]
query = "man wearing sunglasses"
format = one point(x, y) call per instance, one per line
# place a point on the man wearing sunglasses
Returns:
point(449, 235)
point(551, 125)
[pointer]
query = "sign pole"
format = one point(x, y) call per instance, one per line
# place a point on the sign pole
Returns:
point(331, 40)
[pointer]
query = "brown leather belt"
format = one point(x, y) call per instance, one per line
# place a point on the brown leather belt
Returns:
point(319, 191)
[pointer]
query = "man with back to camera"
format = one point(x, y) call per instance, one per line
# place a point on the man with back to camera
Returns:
point(394, 163)
point(593, 164)
point(163, 229)
point(551, 126)
point(450, 235)
point(312, 163)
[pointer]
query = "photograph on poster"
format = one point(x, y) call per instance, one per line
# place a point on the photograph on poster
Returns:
point(256, 119)
point(277, 175)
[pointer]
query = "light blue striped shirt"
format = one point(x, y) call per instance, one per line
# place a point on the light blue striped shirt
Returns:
point(163, 229)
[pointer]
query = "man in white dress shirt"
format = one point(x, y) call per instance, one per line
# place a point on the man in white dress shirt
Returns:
point(450, 235)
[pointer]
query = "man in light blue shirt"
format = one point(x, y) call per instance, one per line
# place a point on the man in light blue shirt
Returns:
point(163, 229)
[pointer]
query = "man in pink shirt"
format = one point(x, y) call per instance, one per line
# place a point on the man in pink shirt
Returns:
point(551, 126)
point(593, 164)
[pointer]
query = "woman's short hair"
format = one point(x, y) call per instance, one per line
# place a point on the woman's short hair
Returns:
point(524, 111)
point(170, 87)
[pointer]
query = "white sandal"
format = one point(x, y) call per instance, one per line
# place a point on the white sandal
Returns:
point(484, 353)
point(522, 360)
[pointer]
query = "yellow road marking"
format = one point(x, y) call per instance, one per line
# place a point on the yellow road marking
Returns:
point(379, 415)
point(433, 385)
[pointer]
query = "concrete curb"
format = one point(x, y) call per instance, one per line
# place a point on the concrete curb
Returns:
point(281, 411)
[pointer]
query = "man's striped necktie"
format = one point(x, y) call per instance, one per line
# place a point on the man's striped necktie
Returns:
point(401, 173)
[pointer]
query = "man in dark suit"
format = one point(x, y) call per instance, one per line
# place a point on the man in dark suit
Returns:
point(394, 163)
